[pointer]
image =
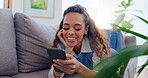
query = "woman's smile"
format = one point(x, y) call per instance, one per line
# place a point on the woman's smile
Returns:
point(70, 39)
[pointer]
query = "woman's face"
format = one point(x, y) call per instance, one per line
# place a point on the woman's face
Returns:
point(74, 29)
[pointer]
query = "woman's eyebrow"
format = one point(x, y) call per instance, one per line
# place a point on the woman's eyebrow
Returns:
point(78, 25)
point(66, 24)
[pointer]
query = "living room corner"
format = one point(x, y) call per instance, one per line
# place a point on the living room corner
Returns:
point(28, 30)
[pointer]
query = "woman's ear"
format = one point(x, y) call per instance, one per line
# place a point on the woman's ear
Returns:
point(86, 30)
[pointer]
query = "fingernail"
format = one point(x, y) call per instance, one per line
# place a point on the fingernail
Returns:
point(54, 60)
point(58, 59)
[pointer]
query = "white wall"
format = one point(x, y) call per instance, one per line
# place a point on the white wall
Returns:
point(140, 26)
point(99, 10)
point(18, 7)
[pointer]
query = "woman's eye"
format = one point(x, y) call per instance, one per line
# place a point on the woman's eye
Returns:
point(77, 29)
point(66, 28)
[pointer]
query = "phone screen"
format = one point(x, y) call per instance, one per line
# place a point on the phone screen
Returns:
point(55, 53)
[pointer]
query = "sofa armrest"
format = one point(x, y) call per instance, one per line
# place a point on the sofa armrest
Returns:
point(130, 40)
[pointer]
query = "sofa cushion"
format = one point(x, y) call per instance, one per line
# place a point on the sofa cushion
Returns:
point(130, 40)
point(5, 77)
point(36, 74)
point(8, 58)
point(32, 40)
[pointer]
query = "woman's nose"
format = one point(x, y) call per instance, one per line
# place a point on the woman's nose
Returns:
point(71, 31)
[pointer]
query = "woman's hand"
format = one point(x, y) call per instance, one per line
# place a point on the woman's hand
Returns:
point(72, 65)
point(69, 66)
point(68, 49)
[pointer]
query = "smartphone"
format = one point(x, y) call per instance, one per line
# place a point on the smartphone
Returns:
point(55, 53)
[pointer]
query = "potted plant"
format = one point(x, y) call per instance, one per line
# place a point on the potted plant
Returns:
point(109, 67)
point(120, 14)
point(114, 66)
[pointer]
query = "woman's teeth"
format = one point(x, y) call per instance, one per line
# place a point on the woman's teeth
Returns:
point(71, 38)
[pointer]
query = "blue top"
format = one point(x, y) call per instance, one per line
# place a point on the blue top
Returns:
point(84, 58)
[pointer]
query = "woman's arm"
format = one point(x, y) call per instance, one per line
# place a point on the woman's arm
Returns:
point(51, 73)
point(86, 72)
point(72, 65)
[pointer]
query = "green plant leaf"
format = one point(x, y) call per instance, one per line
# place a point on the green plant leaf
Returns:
point(146, 42)
point(123, 67)
point(132, 32)
point(126, 24)
point(110, 65)
point(143, 66)
point(120, 11)
point(131, 20)
point(142, 19)
point(123, 3)
point(119, 5)
point(129, 1)
point(138, 10)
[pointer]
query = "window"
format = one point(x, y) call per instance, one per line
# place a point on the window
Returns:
point(5, 3)
point(1, 3)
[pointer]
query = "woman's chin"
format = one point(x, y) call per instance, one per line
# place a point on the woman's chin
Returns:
point(71, 45)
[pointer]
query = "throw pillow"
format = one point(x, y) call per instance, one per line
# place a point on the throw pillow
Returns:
point(32, 39)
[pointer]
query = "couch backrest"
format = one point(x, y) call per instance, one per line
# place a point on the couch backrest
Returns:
point(8, 58)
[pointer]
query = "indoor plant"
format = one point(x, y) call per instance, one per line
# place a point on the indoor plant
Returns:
point(109, 67)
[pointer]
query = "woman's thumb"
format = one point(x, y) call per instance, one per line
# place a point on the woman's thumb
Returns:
point(69, 56)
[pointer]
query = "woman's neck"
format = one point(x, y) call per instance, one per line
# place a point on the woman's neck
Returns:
point(77, 48)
